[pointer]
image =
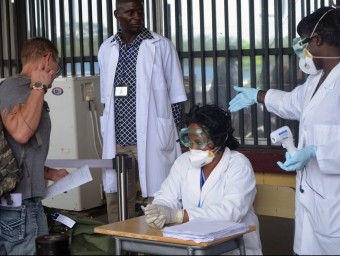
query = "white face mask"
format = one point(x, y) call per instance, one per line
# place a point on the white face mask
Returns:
point(200, 158)
point(307, 65)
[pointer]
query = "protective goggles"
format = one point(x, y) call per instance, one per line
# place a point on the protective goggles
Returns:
point(201, 140)
point(300, 46)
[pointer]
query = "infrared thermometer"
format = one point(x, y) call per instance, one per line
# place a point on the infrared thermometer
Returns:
point(284, 136)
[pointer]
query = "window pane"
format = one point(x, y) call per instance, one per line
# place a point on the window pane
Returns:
point(184, 31)
point(209, 87)
point(198, 81)
point(220, 25)
point(232, 19)
point(208, 25)
point(196, 21)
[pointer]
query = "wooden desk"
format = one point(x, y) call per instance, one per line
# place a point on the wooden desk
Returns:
point(135, 235)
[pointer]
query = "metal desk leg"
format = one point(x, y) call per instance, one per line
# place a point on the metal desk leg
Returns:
point(118, 246)
point(241, 245)
point(190, 251)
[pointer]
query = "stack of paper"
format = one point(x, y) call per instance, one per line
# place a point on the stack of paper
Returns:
point(204, 230)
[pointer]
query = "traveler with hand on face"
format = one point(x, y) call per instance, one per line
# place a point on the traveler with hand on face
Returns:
point(314, 104)
point(142, 89)
point(212, 180)
point(25, 115)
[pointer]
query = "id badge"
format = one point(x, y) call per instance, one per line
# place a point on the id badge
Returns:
point(121, 91)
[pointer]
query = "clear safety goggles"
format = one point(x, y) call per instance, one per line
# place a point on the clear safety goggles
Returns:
point(201, 140)
point(300, 46)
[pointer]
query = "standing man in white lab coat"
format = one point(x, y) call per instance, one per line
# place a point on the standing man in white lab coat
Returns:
point(143, 92)
point(315, 104)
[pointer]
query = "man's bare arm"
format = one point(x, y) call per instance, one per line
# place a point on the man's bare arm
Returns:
point(22, 120)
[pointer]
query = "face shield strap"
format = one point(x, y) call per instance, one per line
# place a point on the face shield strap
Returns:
point(316, 25)
point(216, 150)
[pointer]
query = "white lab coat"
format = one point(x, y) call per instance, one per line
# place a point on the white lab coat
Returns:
point(159, 84)
point(227, 194)
point(317, 219)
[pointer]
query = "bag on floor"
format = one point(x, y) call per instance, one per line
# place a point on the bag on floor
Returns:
point(83, 239)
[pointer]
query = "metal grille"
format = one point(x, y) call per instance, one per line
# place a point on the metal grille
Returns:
point(221, 43)
point(77, 27)
point(8, 50)
point(246, 43)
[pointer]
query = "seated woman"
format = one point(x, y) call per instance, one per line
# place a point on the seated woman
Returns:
point(211, 181)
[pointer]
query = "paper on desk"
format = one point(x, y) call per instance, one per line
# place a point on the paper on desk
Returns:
point(204, 230)
point(73, 180)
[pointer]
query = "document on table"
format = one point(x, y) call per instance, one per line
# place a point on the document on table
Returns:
point(73, 180)
point(204, 230)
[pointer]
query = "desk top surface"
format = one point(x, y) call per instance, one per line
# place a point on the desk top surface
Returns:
point(138, 228)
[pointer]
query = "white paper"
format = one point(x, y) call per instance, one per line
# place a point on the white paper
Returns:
point(204, 230)
point(65, 220)
point(15, 197)
point(73, 180)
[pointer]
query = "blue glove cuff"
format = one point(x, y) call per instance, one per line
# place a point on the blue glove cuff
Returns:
point(257, 92)
point(312, 151)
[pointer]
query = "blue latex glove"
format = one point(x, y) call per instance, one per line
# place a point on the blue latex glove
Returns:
point(299, 159)
point(245, 98)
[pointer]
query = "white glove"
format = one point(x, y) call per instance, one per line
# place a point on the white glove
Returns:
point(155, 221)
point(158, 215)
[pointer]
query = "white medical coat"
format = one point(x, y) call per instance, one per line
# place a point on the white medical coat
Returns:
point(227, 194)
point(317, 219)
point(159, 83)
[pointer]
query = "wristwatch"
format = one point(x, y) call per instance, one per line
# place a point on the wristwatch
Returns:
point(39, 86)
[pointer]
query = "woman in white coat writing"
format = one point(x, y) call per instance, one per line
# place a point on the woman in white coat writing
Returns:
point(211, 180)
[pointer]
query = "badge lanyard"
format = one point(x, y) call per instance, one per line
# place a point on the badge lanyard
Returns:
point(121, 89)
point(202, 181)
